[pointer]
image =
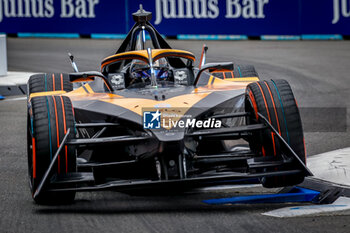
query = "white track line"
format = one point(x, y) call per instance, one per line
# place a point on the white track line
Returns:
point(15, 99)
point(333, 166)
point(341, 204)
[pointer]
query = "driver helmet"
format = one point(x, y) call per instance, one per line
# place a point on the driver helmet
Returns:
point(141, 70)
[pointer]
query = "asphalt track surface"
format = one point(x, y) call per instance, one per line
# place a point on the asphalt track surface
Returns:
point(318, 72)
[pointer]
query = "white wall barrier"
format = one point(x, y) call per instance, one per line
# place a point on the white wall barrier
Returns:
point(3, 56)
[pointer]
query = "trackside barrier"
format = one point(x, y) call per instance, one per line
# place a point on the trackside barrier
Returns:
point(224, 19)
point(3, 56)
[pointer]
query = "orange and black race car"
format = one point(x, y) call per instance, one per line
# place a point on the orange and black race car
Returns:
point(150, 119)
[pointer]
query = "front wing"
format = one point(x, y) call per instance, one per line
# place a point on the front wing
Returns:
point(256, 169)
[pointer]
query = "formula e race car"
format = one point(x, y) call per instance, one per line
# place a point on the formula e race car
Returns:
point(151, 120)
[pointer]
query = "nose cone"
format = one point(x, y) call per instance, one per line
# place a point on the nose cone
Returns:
point(172, 135)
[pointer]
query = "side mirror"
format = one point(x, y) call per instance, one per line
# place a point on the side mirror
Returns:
point(212, 67)
point(89, 76)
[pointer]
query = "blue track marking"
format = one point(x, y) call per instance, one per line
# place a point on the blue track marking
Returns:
point(297, 194)
point(48, 35)
point(322, 37)
point(211, 37)
point(314, 207)
point(284, 115)
point(183, 36)
point(108, 36)
point(281, 37)
point(112, 36)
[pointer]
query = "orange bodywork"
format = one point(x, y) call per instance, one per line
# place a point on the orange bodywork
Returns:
point(185, 101)
point(143, 55)
point(136, 105)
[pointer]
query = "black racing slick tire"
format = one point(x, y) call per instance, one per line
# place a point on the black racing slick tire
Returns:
point(49, 118)
point(244, 71)
point(274, 99)
point(49, 82)
point(239, 71)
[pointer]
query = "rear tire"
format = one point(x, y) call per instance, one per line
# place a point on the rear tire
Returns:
point(49, 118)
point(49, 82)
point(274, 99)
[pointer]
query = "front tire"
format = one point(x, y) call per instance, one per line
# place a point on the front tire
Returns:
point(49, 118)
point(49, 82)
point(274, 99)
